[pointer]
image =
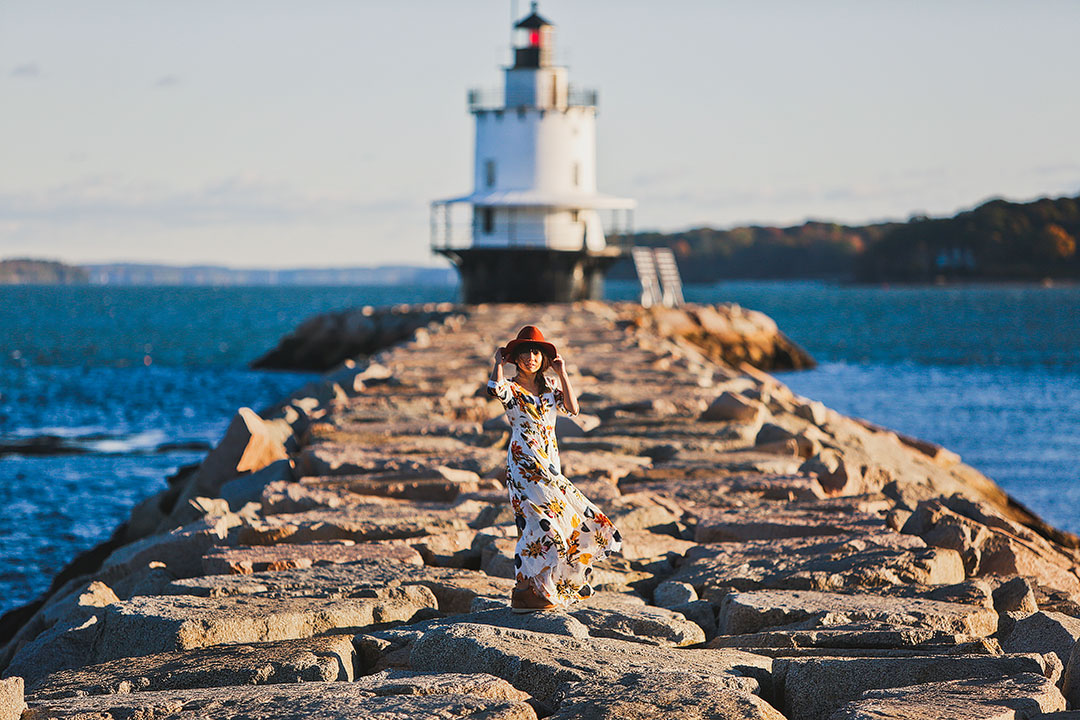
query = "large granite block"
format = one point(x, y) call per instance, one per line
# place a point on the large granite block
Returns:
point(146, 625)
point(303, 701)
point(751, 612)
point(245, 560)
point(835, 562)
point(543, 665)
point(325, 658)
point(1022, 697)
point(815, 687)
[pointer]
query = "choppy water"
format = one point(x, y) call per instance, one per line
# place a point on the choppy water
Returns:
point(991, 372)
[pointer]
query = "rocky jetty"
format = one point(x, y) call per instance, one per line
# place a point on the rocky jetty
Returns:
point(349, 553)
point(725, 332)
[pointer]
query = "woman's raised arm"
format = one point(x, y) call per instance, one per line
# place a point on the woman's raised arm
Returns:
point(569, 398)
point(497, 371)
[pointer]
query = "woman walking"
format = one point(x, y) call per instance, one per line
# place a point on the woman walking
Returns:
point(560, 533)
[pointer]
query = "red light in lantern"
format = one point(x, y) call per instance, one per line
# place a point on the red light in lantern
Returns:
point(534, 38)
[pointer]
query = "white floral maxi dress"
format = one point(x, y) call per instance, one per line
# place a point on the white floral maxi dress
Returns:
point(560, 533)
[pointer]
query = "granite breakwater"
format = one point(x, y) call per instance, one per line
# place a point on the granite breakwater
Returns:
point(349, 553)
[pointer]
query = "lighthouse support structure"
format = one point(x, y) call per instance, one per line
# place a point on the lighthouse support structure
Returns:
point(533, 229)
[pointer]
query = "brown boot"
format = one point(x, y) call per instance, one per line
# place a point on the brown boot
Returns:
point(526, 600)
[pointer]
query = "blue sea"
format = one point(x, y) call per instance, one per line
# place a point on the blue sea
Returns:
point(140, 380)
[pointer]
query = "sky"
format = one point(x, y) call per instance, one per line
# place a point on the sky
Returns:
point(264, 133)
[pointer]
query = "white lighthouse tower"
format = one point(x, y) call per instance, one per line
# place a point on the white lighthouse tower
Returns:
point(532, 230)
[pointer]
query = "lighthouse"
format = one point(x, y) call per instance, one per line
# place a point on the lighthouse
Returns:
point(534, 228)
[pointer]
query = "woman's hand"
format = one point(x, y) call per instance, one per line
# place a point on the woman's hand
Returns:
point(558, 364)
point(496, 370)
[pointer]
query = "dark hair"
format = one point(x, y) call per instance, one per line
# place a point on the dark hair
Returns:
point(541, 379)
point(525, 347)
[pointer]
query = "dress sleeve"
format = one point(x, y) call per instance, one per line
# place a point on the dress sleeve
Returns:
point(501, 391)
point(560, 402)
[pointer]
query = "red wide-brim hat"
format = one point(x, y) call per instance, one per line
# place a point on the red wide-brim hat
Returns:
point(530, 335)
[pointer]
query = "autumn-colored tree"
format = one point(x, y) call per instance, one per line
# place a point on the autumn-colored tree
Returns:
point(1056, 243)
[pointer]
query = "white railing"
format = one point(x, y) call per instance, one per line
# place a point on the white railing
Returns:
point(490, 99)
point(455, 226)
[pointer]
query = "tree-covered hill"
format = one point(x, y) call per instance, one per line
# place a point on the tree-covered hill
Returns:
point(998, 240)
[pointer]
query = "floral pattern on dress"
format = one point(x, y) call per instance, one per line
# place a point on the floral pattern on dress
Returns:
point(560, 532)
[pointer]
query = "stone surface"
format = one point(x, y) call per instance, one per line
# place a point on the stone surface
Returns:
point(661, 695)
point(1070, 684)
point(768, 523)
point(1016, 595)
point(250, 488)
point(245, 560)
point(325, 658)
point(146, 625)
point(1022, 697)
point(621, 618)
point(425, 483)
point(455, 589)
point(552, 622)
point(731, 406)
point(668, 594)
point(375, 520)
point(481, 685)
point(1044, 632)
point(993, 545)
point(303, 701)
point(544, 665)
point(11, 698)
point(818, 563)
point(250, 444)
point(68, 643)
point(815, 687)
point(644, 545)
point(179, 550)
point(842, 475)
point(863, 637)
point(755, 611)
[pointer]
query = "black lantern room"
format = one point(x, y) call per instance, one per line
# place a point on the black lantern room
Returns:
point(533, 41)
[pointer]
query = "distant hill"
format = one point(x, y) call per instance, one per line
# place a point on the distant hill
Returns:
point(138, 274)
point(817, 250)
point(997, 240)
point(24, 271)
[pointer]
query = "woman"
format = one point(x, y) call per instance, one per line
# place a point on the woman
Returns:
point(560, 533)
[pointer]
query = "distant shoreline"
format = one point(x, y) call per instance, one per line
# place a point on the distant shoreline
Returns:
point(25, 271)
point(883, 285)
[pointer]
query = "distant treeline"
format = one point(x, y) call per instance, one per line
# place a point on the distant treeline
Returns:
point(44, 272)
point(811, 250)
point(998, 240)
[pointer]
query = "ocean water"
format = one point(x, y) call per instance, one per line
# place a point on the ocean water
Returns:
point(138, 381)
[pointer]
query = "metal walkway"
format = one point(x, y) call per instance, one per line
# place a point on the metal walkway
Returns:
point(659, 275)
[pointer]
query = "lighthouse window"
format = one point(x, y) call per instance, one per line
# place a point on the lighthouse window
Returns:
point(576, 173)
point(489, 220)
point(489, 173)
point(573, 216)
